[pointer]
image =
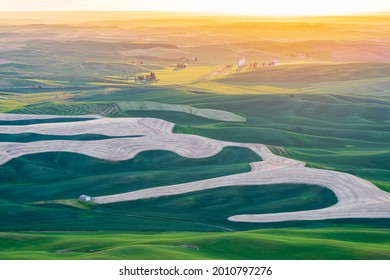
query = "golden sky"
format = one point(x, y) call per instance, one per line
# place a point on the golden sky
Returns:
point(252, 7)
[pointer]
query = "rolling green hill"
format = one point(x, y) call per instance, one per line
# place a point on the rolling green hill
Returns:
point(331, 243)
point(327, 104)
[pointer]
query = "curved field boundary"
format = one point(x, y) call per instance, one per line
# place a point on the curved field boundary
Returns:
point(116, 149)
point(212, 114)
point(20, 117)
point(101, 126)
point(118, 107)
point(357, 198)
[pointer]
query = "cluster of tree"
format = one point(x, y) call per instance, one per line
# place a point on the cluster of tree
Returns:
point(151, 77)
point(140, 62)
point(301, 55)
point(184, 58)
point(181, 65)
point(255, 64)
point(272, 63)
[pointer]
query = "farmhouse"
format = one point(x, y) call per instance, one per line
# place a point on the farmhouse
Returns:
point(241, 62)
point(85, 198)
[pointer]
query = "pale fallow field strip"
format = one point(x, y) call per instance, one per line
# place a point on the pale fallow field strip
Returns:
point(357, 198)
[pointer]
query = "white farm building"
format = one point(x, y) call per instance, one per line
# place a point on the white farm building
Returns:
point(85, 198)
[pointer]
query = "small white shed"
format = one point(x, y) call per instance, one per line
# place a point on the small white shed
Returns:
point(85, 198)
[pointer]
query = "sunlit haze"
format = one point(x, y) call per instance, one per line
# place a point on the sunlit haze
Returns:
point(250, 7)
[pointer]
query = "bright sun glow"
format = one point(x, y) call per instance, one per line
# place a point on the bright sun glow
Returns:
point(250, 7)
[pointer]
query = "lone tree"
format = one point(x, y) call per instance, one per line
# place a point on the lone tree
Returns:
point(152, 76)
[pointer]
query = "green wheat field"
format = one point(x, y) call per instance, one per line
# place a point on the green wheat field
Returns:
point(326, 104)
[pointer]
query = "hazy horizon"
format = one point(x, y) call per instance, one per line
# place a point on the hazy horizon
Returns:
point(228, 7)
point(386, 13)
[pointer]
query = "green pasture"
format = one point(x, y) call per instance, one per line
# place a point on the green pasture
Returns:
point(333, 116)
point(330, 243)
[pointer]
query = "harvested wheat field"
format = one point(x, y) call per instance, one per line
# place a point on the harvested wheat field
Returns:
point(167, 135)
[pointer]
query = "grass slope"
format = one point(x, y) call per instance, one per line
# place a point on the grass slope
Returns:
point(331, 114)
point(332, 243)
